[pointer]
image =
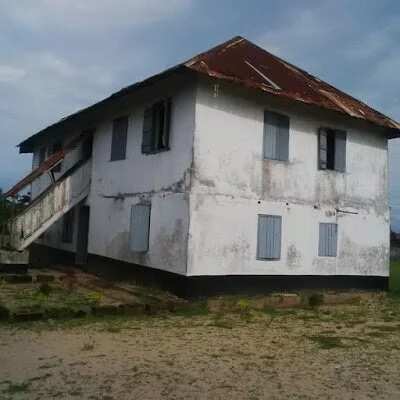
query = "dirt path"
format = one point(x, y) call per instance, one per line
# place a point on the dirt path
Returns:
point(351, 352)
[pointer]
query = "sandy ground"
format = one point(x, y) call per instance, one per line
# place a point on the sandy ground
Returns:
point(346, 352)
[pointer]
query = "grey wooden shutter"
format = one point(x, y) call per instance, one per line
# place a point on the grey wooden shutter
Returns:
point(283, 138)
point(269, 237)
point(140, 227)
point(119, 138)
point(148, 131)
point(323, 148)
point(276, 136)
point(167, 124)
point(340, 151)
point(271, 131)
point(327, 240)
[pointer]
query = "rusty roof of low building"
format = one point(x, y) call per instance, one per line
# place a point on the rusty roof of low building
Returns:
point(241, 61)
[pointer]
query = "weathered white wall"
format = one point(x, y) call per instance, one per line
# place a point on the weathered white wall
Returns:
point(161, 178)
point(53, 236)
point(232, 184)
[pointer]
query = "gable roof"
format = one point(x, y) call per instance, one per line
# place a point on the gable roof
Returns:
point(241, 61)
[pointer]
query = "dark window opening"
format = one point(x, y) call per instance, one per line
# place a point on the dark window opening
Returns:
point(68, 227)
point(332, 149)
point(42, 155)
point(156, 127)
point(57, 146)
point(119, 138)
point(87, 147)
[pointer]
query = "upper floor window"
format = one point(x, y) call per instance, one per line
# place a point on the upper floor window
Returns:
point(42, 154)
point(119, 138)
point(55, 147)
point(276, 136)
point(332, 149)
point(156, 127)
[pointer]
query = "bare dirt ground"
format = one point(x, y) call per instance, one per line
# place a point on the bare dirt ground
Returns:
point(334, 352)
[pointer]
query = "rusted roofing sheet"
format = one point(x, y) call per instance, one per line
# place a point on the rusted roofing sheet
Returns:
point(44, 167)
point(244, 63)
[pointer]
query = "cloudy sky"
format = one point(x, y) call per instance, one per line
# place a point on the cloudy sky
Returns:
point(57, 56)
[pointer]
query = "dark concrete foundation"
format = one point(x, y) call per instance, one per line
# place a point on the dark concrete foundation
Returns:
point(203, 286)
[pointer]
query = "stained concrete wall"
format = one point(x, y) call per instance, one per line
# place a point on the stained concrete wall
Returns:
point(232, 184)
point(161, 179)
point(53, 236)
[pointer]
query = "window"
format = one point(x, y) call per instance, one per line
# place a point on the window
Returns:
point(327, 240)
point(332, 149)
point(156, 127)
point(276, 136)
point(57, 146)
point(269, 237)
point(119, 138)
point(140, 227)
point(42, 154)
point(68, 227)
point(87, 147)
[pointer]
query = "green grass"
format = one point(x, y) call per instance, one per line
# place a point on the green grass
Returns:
point(14, 388)
point(394, 281)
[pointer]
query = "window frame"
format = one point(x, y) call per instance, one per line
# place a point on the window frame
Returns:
point(115, 132)
point(339, 139)
point(154, 135)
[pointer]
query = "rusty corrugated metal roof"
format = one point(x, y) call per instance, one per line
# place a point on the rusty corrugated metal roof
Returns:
point(242, 62)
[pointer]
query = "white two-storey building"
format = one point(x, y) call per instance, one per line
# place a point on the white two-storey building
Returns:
point(234, 170)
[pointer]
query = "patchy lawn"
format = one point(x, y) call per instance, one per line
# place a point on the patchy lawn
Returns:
point(329, 352)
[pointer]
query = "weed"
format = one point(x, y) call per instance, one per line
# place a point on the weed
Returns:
point(315, 300)
point(94, 298)
point(45, 289)
point(89, 346)
point(327, 342)
point(220, 322)
point(194, 309)
point(244, 310)
point(14, 388)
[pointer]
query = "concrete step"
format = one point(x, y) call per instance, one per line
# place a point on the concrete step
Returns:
point(13, 257)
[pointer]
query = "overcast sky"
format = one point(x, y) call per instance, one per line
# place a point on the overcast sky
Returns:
point(57, 56)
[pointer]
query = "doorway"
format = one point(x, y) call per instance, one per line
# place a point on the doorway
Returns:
point(83, 235)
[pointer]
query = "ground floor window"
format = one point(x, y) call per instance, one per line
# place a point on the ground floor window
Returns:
point(327, 240)
point(140, 227)
point(269, 237)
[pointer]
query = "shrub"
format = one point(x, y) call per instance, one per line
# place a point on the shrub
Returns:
point(315, 300)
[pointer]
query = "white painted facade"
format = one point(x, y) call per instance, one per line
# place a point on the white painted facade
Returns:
point(207, 191)
point(233, 184)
